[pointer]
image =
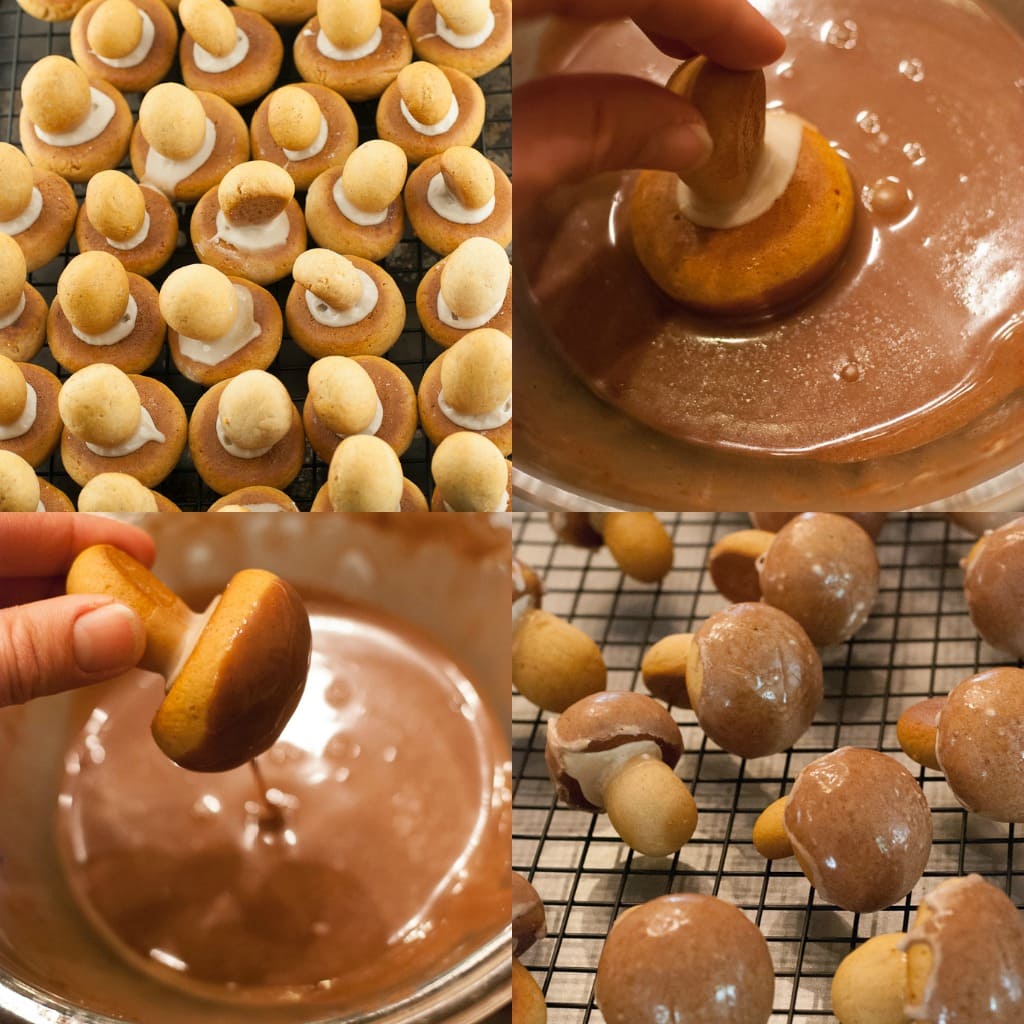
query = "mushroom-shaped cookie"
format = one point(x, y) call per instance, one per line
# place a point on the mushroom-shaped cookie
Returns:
point(246, 431)
point(759, 225)
point(362, 395)
point(428, 109)
point(637, 541)
point(230, 51)
point(822, 570)
point(69, 124)
point(365, 475)
point(22, 491)
point(859, 825)
point(471, 288)
point(695, 957)
point(470, 475)
point(474, 36)
point(103, 314)
point(343, 306)
point(282, 12)
point(469, 387)
point(456, 195)
point(357, 209)
point(353, 47)
point(115, 423)
point(29, 418)
point(733, 564)
point(120, 493)
point(255, 499)
point(129, 43)
point(22, 308)
point(250, 225)
point(754, 679)
point(962, 960)
point(616, 752)
point(218, 326)
point(528, 925)
point(186, 141)
point(994, 587)
point(870, 522)
point(234, 673)
point(51, 10)
point(135, 223)
point(305, 129)
point(663, 669)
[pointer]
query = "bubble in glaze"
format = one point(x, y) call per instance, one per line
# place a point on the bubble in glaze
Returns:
point(914, 152)
point(889, 198)
point(912, 69)
point(850, 372)
point(841, 34)
point(785, 69)
point(869, 122)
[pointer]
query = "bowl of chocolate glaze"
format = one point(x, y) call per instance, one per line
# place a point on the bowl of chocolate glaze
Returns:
point(897, 382)
point(360, 872)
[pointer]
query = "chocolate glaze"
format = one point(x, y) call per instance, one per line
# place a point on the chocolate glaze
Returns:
point(994, 587)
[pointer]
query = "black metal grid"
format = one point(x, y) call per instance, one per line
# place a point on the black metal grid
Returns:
point(24, 40)
point(919, 642)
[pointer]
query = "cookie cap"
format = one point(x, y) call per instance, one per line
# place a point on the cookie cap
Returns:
point(349, 23)
point(374, 175)
point(16, 174)
point(55, 94)
point(465, 17)
point(255, 410)
point(342, 394)
point(12, 273)
point(211, 24)
point(172, 120)
point(329, 276)
point(13, 390)
point(471, 473)
point(100, 405)
point(199, 302)
point(255, 192)
point(114, 29)
point(93, 291)
point(468, 175)
point(19, 485)
point(116, 492)
point(365, 476)
point(426, 91)
point(474, 278)
point(293, 118)
point(476, 372)
point(115, 205)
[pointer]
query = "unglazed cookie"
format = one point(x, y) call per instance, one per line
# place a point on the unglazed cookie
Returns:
point(71, 125)
point(366, 476)
point(427, 110)
point(103, 314)
point(218, 327)
point(255, 499)
point(304, 128)
point(470, 475)
point(22, 308)
point(469, 289)
point(343, 306)
point(474, 36)
point(129, 43)
point(121, 493)
point(29, 418)
point(51, 10)
point(282, 12)
point(357, 209)
point(22, 491)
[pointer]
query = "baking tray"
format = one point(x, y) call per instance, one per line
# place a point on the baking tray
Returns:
point(918, 642)
point(24, 40)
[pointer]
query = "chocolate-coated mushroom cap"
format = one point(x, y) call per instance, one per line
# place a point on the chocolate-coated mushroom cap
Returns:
point(994, 587)
point(870, 522)
point(860, 827)
point(685, 957)
point(528, 924)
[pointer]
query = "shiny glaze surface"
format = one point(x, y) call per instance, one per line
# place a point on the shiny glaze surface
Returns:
point(994, 587)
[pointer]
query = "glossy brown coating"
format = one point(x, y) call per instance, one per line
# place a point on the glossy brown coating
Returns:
point(860, 827)
point(685, 958)
point(870, 522)
point(754, 679)
point(823, 570)
point(994, 587)
point(528, 924)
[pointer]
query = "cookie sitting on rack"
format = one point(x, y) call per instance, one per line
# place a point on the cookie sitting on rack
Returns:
point(365, 475)
point(470, 475)
point(29, 418)
point(474, 36)
point(255, 499)
point(22, 491)
point(528, 925)
point(22, 308)
point(120, 493)
point(281, 12)
point(637, 541)
point(52, 10)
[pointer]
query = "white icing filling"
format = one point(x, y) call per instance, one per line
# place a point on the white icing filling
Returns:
point(141, 51)
point(363, 218)
point(496, 417)
point(264, 506)
point(783, 134)
point(234, 449)
point(12, 317)
point(313, 148)
point(137, 239)
point(594, 769)
point(114, 334)
point(332, 52)
point(242, 331)
point(41, 507)
point(164, 173)
point(444, 204)
point(432, 129)
point(23, 424)
point(212, 64)
point(253, 237)
point(197, 623)
point(327, 315)
point(101, 113)
point(520, 606)
point(146, 431)
point(374, 425)
point(464, 42)
point(470, 323)
point(27, 217)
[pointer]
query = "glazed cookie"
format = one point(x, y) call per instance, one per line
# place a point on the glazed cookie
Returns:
point(134, 223)
point(22, 308)
point(120, 493)
point(129, 43)
point(470, 475)
point(255, 499)
point(51, 10)
point(103, 314)
point(185, 141)
point(250, 225)
point(217, 326)
point(469, 387)
point(71, 125)
point(353, 47)
point(282, 12)
point(364, 395)
point(342, 306)
point(469, 289)
point(245, 431)
point(305, 129)
point(232, 52)
point(474, 36)
point(366, 476)
point(114, 423)
point(357, 209)
point(37, 207)
point(457, 195)
point(29, 417)
point(21, 490)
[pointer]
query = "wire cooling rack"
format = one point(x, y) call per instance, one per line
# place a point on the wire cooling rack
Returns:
point(24, 40)
point(919, 642)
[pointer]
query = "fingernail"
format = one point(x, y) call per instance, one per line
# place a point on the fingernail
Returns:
point(107, 639)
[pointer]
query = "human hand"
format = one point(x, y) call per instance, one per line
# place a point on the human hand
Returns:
point(48, 642)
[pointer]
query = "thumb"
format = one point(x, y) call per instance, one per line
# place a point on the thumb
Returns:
point(570, 127)
point(65, 643)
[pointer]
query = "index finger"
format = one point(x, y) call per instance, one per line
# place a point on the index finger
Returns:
point(41, 544)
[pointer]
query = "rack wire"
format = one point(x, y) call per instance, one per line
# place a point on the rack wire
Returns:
point(24, 40)
point(919, 642)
